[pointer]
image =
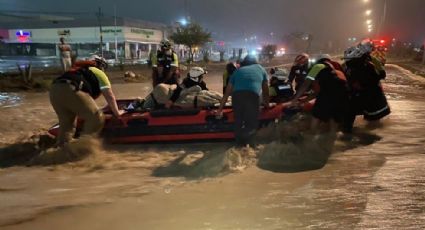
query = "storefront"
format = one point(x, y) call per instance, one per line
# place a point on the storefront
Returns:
point(126, 42)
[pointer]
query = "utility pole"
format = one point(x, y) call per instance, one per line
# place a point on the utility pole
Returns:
point(115, 33)
point(99, 16)
point(384, 16)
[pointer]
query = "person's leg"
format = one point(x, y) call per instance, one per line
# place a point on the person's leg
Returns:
point(314, 127)
point(67, 64)
point(60, 94)
point(251, 114)
point(333, 126)
point(238, 113)
point(86, 109)
point(63, 64)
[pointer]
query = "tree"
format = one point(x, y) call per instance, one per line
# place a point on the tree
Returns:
point(192, 35)
point(269, 51)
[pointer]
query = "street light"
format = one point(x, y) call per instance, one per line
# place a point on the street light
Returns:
point(183, 21)
point(368, 12)
point(368, 21)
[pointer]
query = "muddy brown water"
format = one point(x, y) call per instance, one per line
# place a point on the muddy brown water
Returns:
point(374, 181)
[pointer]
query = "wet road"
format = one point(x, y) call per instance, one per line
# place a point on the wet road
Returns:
point(375, 181)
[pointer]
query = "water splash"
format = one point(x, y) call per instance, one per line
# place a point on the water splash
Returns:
point(76, 150)
point(9, 100)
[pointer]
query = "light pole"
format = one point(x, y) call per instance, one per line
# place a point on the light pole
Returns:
point(99, 16)
point(384, 15)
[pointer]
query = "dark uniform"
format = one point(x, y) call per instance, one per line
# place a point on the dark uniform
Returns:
point(331, 88)
point(366, 95)
point(167, 63)
point(298, 74)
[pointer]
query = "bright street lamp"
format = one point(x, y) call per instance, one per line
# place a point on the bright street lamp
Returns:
point(368, 21)
point(368, 12)
point(183, 22)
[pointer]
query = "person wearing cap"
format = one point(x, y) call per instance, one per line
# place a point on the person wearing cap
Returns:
point(194, 78)
point(330, 89)
point(366, 95)
point(299, 70)
point(246, 85)
point(165, 65)
point(73, 95)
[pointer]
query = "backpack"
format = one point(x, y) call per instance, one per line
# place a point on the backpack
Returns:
point(83, 79)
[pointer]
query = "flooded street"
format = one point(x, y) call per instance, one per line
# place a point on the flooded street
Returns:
point(374, 181)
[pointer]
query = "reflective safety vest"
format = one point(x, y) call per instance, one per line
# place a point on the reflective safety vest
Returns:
point(166, 61)
point(380, 55)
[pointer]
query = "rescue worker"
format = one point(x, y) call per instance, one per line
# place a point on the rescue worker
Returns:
point(165, 65)
point(72, 95)
point(245, 85)
point(330, 87)
point(366, 95)
point(230, 68)
point(194, 78)
point(299, 70)
point(280, 90)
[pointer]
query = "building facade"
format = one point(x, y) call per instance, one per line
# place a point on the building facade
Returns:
point(124, 39)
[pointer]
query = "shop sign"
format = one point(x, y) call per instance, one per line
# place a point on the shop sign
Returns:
point(64, 32)
point(147, 33)
point(112, 31)
point(23, 36)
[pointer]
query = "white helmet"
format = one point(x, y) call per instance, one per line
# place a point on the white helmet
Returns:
point(280, 74)
point(100, 61)
point(165, 44)
point(323, 56)
point(353, 52)
point(196, 72)
point(366, 46)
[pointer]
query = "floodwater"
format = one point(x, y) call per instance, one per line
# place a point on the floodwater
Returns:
point(376, 180)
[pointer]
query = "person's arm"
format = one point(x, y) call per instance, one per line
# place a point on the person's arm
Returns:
point(311, 76)
point(105, 87)
point(112, 103)
point(265, 91)
point(203, 85)
point(291, 76)
point(304, 87)
point(229, 89)
point(174, 97)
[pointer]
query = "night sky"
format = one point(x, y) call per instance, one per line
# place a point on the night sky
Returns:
point(237, 19)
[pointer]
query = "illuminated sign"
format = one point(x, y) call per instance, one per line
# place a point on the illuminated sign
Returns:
point(112, 31)
point(23, 36)
point(147, 33)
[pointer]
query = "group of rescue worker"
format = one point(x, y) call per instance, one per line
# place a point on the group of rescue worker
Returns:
point(341, 92)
